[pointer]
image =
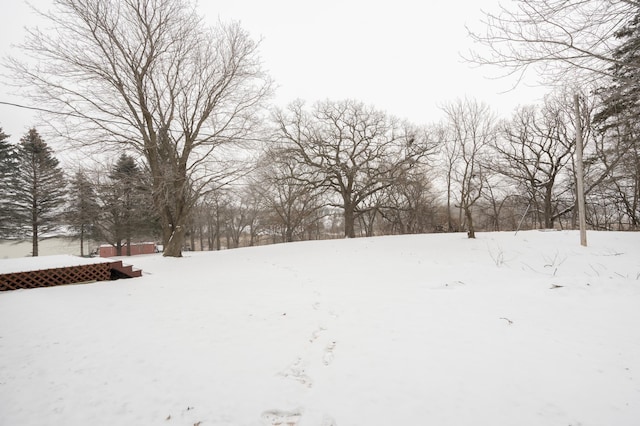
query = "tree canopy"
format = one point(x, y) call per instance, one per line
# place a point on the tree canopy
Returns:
point(151, 77)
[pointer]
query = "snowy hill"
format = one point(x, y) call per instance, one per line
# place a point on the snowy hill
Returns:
point(440, 330)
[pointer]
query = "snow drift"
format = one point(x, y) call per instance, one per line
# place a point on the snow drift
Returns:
point(531, 329)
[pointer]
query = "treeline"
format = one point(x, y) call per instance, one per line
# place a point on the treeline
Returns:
point(344, 169)
point(189, 103)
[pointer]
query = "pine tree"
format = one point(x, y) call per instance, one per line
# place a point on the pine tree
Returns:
point(127, 205)
point(38, 189)
point(83, 208)
point(126, 177)
point(619, 119)
point(7, 170)
point(621, 99)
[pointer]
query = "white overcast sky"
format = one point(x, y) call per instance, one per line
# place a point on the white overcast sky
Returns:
point(402, 56)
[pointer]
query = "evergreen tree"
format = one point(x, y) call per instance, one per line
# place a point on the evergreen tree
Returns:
point(83, 209)
point(619, 121)
point(621, 99)
point(7, 170)
point(127, 205)
point(38, 189)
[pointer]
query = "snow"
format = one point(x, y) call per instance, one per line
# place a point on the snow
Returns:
point(526, 329)
point(9, 266)
point(46, 247)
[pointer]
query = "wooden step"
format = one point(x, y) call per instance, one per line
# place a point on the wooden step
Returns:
point(119, 270)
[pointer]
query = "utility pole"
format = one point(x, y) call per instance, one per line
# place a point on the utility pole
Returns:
point(580, 175)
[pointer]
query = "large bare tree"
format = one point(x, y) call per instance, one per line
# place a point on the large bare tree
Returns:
point(533, 152)
point(355, 150)
point(150, 75)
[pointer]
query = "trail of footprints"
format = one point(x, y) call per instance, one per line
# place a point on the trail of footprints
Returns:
point(297, 371)
point(289, 418)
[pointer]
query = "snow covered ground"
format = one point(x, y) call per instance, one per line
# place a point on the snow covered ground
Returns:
point(531, 329)
point(47, 247)
point(38, 263)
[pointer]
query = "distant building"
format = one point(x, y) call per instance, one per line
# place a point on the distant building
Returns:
point(107, 250)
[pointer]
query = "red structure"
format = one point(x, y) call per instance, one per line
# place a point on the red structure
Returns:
point(107, 250)
point(49, 271)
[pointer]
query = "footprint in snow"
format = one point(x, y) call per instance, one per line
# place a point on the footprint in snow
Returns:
point(327, 358)
point(316, 334)
point(280, 418)
point(296, 372)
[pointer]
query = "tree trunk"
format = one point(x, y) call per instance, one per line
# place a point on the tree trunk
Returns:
point(210, 236)
point(34, 240)
point(471, 233)
point(173, 248)
point(174, 228)
point(548, 207)
point(34, 227)
point(81, 240)
point(449, 219)
point(369, 226)
point(349, 222)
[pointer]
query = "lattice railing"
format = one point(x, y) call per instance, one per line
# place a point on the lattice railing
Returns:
point(57, 276)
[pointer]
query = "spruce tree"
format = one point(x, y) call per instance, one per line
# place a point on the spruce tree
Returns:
point(127, 205)
point(619, 119)
point(38, 189)
point(7, 170)
point(621, 98)
point(83, 208)
point(125, 177)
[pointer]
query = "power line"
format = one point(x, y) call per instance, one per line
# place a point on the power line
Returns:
point(32, 108)
point(68, 114)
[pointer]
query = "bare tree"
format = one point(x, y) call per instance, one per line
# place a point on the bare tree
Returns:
point(561, 36)
point(150, 75)
point(211, 217)
point(533, 153)
point(255, 210)
point(355, 150)
point(408, 206)
point(495, 199)
point(238, 220)
point(289, 191)
point(450, 155)
point(471, 128)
